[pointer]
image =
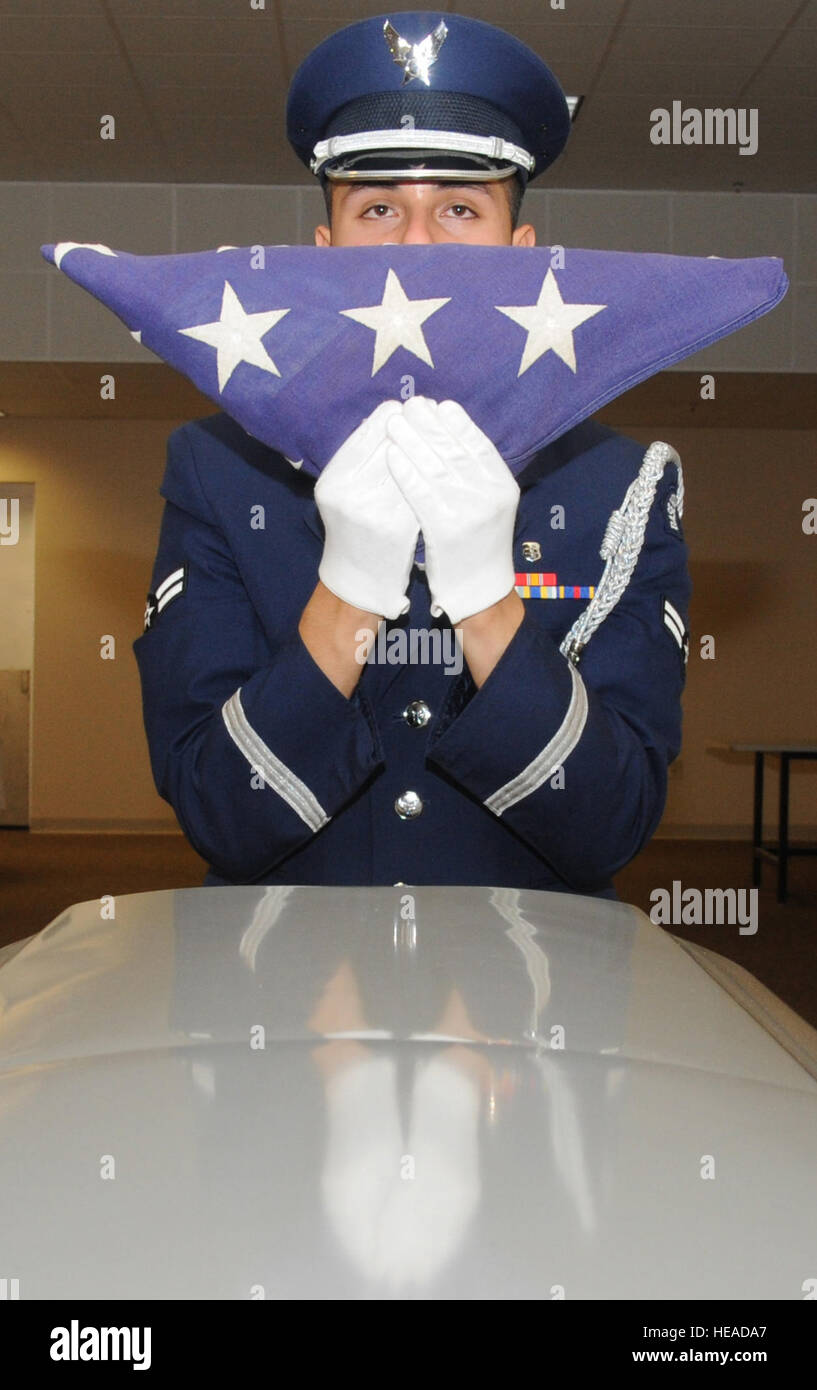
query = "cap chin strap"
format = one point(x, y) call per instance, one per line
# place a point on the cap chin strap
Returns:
point(449, 142)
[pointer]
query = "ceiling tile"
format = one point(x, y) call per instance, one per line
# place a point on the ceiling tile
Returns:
point(175, 107)
point(92, 161)
point(44, 34)
point(184, 9)
point(773, 123)
point(256, 72)
point(686, 44)
point(239, 163)
point(778, 84)
point(211, 131)
point(18, 160)
point(554, 42)
point(704, 14)
point(60, 9)
point(514, 13)
point(665, 82)
point(336, 12)
point(798, 48)
point(35, 73)
point(558, 43)
point(617, 124)
point(60, 111)
point(236, 33)
point(302, 35)
point(108, 158)
point(197, 63)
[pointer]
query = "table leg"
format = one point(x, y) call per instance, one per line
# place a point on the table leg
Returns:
point(757, 832)
point(783, 829)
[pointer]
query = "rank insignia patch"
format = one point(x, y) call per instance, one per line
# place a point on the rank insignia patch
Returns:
point(674, 624)
point(170, 588)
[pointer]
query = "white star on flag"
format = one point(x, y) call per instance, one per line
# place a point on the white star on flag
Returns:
point(549, 323)
point(397, 322)
point(236, 336)
point(63, 247)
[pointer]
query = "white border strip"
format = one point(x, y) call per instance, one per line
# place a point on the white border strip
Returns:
point(674, 622)
point(282, 780)
point(171, 579)
point(168, 595)
point(551, 757)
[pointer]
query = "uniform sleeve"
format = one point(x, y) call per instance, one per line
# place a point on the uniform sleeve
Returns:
point(255, 750)
point(574, 758)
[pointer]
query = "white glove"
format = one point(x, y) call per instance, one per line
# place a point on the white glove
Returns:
point(371, 531)
point(465, 500)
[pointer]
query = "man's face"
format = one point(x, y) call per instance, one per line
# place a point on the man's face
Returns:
point(368, 214)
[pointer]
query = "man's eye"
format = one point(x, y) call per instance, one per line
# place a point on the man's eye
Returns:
point(378, 209)
point(459, 208)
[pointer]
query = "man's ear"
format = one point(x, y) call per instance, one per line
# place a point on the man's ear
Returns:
point(524, 236)
point(323, 236)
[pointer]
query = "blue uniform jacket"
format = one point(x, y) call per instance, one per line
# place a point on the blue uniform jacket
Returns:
point(552, 775)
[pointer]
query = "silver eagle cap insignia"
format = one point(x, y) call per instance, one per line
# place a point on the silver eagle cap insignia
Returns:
point(415, 58)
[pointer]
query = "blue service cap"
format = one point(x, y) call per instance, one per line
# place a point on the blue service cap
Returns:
point(402, 95)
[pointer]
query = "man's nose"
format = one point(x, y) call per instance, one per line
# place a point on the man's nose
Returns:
point(420, 229)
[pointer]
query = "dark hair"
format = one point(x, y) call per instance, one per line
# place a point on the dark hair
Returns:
point(514, 189)
point(516, 192)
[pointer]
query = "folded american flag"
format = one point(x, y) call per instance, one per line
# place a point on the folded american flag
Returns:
point(300, 343)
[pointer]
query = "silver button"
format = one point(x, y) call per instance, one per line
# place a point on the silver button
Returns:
point(417, 714)
point(408, 805)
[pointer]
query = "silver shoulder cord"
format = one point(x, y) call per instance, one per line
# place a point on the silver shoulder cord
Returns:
point(623, 540)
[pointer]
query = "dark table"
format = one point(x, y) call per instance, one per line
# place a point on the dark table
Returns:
point(783, 851)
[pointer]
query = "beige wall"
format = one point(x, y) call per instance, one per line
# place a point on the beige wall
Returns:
point(97, 519)
point(17, 577)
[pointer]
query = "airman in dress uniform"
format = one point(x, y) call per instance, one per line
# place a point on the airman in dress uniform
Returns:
point(290, 752)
